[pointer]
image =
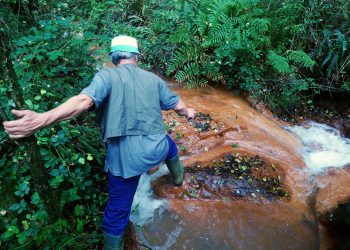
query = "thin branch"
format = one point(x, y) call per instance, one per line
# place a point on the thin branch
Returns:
point(5, 23)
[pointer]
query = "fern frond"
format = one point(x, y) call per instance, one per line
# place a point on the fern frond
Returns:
point(181, 56)
point(192, 70)
point(170, 14)
point(216, 36)
point(298, 29)
point(197, 83)
point(260, 25)
point(301, 58)
point(180, 76)
point(183, 34)
point(234, 8)
point(220, 33)
point(279, 63)
point(327, 58)
point(191, 74)
point(202, 23)
point(214, 75)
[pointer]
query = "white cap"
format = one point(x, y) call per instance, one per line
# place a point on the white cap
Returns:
point(124, 43)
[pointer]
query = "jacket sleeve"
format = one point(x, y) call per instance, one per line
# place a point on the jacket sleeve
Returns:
point(99, 88)
point(168, 100)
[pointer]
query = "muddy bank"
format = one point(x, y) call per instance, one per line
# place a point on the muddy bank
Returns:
point(328, 108)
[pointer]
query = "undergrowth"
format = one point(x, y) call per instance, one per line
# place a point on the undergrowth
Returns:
point(280, 52)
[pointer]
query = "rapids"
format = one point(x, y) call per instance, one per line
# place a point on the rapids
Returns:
point(306, 163)
point(323, 146)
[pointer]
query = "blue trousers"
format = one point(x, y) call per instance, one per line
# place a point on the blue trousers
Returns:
point(121, 194)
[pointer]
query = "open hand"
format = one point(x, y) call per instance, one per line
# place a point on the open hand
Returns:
point(26, 125)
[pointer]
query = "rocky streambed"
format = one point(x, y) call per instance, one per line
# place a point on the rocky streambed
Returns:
point(246, 183)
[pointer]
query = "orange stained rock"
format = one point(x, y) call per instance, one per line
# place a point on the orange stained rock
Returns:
point(333, 189)
point(237, 128)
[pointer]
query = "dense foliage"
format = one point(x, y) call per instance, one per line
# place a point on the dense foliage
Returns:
point(280, 52)
point(46, 62)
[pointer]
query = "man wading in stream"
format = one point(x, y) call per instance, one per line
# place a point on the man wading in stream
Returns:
point(128, 102)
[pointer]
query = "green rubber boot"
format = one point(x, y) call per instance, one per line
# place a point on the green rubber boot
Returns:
point(176, 169)
point(113, 242)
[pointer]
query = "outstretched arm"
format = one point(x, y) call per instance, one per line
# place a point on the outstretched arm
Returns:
point(182, 109)
point(30, 121)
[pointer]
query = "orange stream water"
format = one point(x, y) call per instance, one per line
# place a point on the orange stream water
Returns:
point(242, 224)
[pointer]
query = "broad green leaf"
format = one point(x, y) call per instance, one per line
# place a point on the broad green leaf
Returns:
point(37, 98)
point(81, 160)
point(29, 103)
point(35, 198)
point(78, 210)
point(88, 183)
point(14, 207)
point(90, 157)
point(80, 225)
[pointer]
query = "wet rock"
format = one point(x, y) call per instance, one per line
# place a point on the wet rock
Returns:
point(337, 223)
point(240, 192)
point(346, 126)
point(201, 122)
point(232, 177)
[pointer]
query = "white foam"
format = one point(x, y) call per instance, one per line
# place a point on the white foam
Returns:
point(144, 204)
point(322, 146)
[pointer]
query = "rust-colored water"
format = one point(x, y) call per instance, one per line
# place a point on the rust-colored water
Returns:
point(235, 225)
point(220, 223)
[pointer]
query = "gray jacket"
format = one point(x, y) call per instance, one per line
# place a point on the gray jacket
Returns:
point(128, 101)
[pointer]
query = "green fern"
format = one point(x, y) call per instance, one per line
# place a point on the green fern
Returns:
point(297, 30)
point(202, 23)
point(181, 56)
point(260, 25)
point(279, 63)
point(216, 36)
point(191, 75)
point(180, 76)
point(183, 34)
point(301, 58)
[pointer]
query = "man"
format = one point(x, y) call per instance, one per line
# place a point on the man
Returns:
point(128, 102)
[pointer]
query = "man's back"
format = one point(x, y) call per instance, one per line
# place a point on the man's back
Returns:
point(129, 100)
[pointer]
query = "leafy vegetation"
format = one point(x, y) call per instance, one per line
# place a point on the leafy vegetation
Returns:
point(279, 52)
point(275, 51)
point(55, 179)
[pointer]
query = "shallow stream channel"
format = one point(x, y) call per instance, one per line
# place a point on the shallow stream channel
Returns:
point(251, 181)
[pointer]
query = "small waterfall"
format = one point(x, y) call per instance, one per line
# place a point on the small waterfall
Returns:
point(144, 204)
point(323, 146)
point(148, 210)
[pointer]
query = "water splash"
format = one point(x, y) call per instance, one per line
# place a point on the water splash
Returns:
point(144, 204)
point(323, 146)
point(148, 210)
